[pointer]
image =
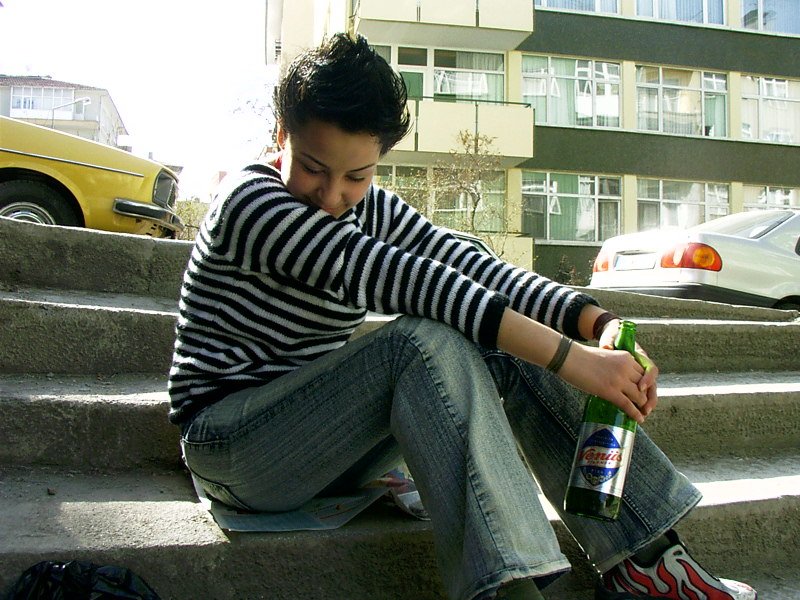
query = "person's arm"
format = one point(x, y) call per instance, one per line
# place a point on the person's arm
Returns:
point(529, 293)
point(611, 374)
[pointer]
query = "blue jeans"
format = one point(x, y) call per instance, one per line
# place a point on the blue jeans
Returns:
point(419, 390)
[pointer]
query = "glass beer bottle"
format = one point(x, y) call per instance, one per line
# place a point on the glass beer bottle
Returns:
point(603, 452)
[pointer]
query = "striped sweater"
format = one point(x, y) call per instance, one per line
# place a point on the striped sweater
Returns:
point(273, 284)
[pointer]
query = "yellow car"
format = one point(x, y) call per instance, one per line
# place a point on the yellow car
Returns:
point(54, 178)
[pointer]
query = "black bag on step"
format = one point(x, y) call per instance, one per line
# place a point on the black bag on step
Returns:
point(79, 580)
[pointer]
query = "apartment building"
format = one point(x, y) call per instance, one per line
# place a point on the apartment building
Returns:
point(81, 110)
point(611, 116)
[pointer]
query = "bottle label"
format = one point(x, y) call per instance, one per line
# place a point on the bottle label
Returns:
point(602, 458)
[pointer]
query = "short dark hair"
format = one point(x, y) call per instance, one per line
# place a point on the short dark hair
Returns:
point(346, 83)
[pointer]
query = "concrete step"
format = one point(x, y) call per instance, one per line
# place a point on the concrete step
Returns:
point(98, 261)
point(45, 337)
point(70, 420)
point(74, 258)
point(717, 413)
point(57, 333)
point(87, 422)
point(86, 332)
point(150, 521)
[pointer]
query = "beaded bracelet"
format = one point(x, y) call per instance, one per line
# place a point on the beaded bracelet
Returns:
point(601, 322)
point(561, 354)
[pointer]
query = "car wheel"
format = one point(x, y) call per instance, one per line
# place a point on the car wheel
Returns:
point(788, 305)
point(35, 202)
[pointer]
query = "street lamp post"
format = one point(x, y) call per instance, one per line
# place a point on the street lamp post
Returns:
point(85, 100)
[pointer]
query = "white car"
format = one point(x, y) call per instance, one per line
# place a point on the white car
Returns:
point(750, 258)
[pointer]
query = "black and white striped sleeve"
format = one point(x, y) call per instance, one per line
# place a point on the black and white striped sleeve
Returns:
point(263, 229)
point(529, 293)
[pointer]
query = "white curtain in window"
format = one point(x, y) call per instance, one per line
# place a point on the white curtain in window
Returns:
point(609, 6)
point(687, 215)
point(563, 91)
point(715, 116)
point(750, 122)
point(716, 13)
point(585, 222)
point(534, 90)
point(644, 8)
point(587, 5)
point(750, 14)
point(583, 102)
point(682, 114)
point(479, 61)
point(533, 87)
point(649, 215)
point(682, 10)
point(607, 105)
point(608, 219)
point(647, 108)
point(563, 94)
point(482, 77)
point(782, 16)
point(461, 83)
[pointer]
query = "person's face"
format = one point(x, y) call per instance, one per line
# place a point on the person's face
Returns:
point(327, 167)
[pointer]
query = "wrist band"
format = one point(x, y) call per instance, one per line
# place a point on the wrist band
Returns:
point(601, 322)
point(561, 354)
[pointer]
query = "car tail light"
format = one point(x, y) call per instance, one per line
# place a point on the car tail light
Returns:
point(601, 263)
point(693, 255)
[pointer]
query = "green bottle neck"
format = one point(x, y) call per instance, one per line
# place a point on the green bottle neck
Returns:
point(626, 338)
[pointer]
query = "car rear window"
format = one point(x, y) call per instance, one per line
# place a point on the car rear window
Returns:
point(750, 225)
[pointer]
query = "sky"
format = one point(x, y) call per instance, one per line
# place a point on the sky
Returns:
point(188, 77)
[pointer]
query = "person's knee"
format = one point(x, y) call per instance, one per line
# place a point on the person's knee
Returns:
point(436, 338)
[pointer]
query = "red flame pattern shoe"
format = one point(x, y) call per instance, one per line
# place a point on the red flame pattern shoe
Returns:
point(675, 575)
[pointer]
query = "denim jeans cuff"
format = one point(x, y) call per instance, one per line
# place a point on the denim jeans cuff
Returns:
point(549, 571)
point(616, 558)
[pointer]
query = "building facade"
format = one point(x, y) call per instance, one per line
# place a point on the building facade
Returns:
point(87, 112)
point(610, 116)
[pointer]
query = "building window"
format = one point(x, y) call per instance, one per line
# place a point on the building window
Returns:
point(562, 206)
point(412, 56)
point(410, 183)
point(764, 197)
point(412, 66)
point(779, 16)
point(461, 75)
point(666, 203)
point(687, 11)
point(771, 109)
point(572, 92)
point(598, 6)
point(455, 209)
point(39, 102)
point(455, 75)
point(385, 52)
point(682, 102)
point(450, 209)
point(384, 176)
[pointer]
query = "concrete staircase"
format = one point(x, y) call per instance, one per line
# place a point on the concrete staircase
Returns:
point(90, 467)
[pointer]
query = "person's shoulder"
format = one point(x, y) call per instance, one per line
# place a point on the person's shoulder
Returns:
point(250, 177)
point(258, 171)
point(379, 195)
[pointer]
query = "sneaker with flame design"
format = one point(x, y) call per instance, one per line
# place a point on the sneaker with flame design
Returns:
point(675, 575)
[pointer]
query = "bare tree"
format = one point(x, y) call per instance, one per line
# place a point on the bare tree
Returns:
point(463, 186)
